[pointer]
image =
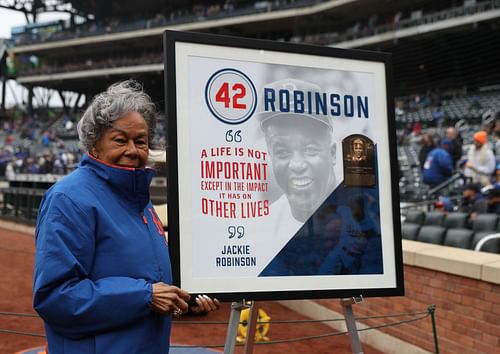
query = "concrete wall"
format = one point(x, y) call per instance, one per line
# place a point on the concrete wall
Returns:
point(465, 287)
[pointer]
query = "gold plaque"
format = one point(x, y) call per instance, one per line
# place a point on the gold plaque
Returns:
point(358, 154)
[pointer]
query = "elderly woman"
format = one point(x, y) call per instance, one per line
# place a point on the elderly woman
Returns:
point(102, 269)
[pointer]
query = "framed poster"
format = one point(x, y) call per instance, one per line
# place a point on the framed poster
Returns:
point(281, 159)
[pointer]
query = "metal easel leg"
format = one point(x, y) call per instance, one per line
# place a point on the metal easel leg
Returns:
point(232, 327)
point(252, 326)
point(351, 322)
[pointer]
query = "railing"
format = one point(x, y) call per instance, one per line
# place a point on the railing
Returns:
point(446, 183)
point(21, 203)
point(21, 199)
point(88, 30)
point(443, 15)
point(483, 241)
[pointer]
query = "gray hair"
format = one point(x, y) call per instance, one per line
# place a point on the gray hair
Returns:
point(108, 106)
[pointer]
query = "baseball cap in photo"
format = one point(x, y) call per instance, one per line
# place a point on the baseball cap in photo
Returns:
point(290, 98)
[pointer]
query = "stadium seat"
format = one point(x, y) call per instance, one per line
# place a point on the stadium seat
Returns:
point(458, 237)
point(415, 217)
point(492, 246)
point(485, 222)
point(434, 218)
point(455, 220)
point(431, 234)
point(409, 231)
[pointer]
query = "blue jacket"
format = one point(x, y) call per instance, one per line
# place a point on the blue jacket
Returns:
point(99, 248)
point(438, 167)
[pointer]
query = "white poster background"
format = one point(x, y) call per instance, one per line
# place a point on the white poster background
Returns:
point(203, 237)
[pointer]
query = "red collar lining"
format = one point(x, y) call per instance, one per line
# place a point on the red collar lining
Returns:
point(111, 165)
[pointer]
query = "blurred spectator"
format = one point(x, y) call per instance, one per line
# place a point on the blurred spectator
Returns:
point(4, 160)
point(456, 144)
point(30, 166)
point(480, 160)
point(428, 145)
point(9, 139)
point(415, 135)
point(438, 165)
point(9, 170)
point(7, 127)
point(46, 139)
point(496, 139)
point(496, 177)
point(229, 6)
point(494, 200)
point(33, 146)
point(68, 125)
point(58, 167)
point(443, 204)
point(47, 163)
point(473, 201)
point(399, 107)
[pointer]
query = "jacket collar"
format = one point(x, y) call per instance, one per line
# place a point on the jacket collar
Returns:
point(131, 183)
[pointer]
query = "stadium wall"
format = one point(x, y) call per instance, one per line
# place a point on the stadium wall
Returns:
point(463, 284)
point(465, 287)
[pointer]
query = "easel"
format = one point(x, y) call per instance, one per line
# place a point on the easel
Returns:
point(234, 321)
point(350, 321)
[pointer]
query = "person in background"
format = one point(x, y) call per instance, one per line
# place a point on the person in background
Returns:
point(496, 137)
point(438, 165)
point(415, 134)
point(443, 204)
point(455, 146)
point(102, 277)
point(480, 160)
point(473, 201)
point(496, 177)
point(428, 145)
point(493, 196)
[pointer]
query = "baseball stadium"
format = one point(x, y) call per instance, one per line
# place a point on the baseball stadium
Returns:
point(442, 85)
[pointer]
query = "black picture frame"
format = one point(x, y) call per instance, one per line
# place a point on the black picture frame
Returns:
point(176, 161)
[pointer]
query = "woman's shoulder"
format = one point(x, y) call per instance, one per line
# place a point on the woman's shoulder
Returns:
point(79, 184)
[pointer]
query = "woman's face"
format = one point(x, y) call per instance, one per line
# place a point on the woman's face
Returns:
point(125, 143)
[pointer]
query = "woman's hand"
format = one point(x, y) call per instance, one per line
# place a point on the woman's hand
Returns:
point(204, 304)
point(169, 299)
